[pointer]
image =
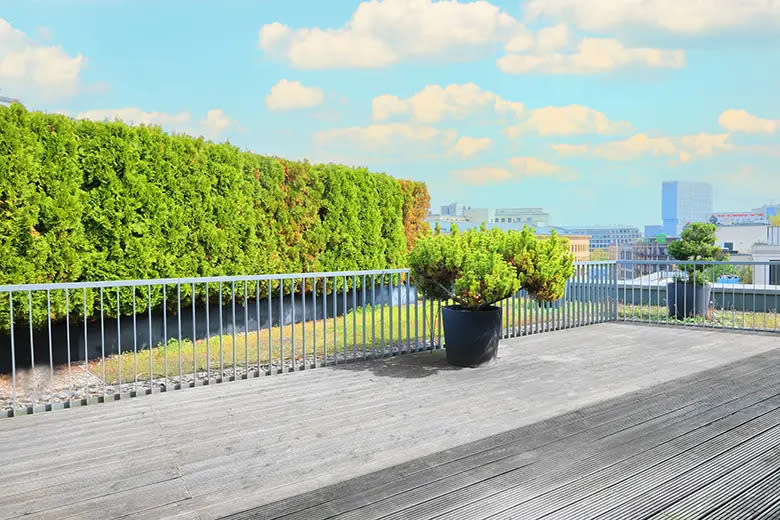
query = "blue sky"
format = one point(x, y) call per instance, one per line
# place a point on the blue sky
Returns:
point(582, 108)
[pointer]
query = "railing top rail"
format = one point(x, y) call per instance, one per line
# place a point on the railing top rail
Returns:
point(596, 262)
point(698, 262)
point(191, 280)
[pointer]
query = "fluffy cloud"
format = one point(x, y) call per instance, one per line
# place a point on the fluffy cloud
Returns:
point(467, 147)
point(214, 124)
point(434, 103)
point(570, 150)
point(383, 32)
point(391, 139)
point(592, 55)
point(483, 175)
point(567, 120)
point(521, 168)
point(683, 17)
point(288, 95)
point(29, 69)
point(743, 121)
point(683, 149)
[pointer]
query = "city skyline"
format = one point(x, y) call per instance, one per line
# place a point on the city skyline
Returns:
point(534, 103)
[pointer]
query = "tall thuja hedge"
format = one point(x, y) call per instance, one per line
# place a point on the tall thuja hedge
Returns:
point(83, 200)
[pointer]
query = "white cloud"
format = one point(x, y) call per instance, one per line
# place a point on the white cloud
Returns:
point(383, 32)
point(483, 175)
point(288, 95)
point(29, 69)
point(683, 149)
point(690, 17)
point(467, 147)
point(592, 55)
point(521, 168)
point(214, 124)
point(395, 139)
point(570, 150)
point(743, 121)
point(434, 103)
point(567, 120)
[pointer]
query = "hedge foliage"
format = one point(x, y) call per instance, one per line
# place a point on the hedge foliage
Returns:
point(87, 201)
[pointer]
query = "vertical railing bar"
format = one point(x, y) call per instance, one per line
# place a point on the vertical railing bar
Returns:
point(354, 318)
point(51, 350)
point(32, 352)
point(314, 323)
point(178, 325)
point(67, 339)
point(135, 338)
point(165, 332)
point(325, 321)
point(270, 331)
point(408, 313)
point(207, 335)
point(390, 316)
point(382, 320)
point(335, 323)
point(13, 349)
point(221, 334)
point(373, 315)
point(118, 342)
point(233, 316)
point(149, 321)
point(194, 341)
point(246, 329)
point(282, 365)
point(257, 309)
point(292, 325)
point(303, 319)
point(344, 316)
point(433, 324)
point(364, 316)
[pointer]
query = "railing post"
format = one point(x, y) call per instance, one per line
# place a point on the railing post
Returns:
point(616, 291)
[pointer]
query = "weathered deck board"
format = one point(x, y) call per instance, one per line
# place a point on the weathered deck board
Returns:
point(559, 415)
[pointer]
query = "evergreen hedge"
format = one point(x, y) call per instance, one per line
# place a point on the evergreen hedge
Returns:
point(87, 201)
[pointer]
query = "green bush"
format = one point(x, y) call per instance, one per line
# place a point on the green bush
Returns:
point(90, 201)
point(697, 243)
point(479, 268)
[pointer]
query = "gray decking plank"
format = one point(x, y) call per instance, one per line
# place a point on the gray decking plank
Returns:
point(375, 495)
point(232, 456)
point(541, 490)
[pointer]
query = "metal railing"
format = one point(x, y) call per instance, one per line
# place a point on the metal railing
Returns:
point(71, 344)
point(734, 295)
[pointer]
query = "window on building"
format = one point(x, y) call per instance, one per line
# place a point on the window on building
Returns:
point(774, 274)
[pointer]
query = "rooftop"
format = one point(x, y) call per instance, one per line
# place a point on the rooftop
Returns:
point(608, 421)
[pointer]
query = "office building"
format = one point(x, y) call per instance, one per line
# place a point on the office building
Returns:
point(453, 210)
point(653, 230)
point(602, 237)
point(683, 203)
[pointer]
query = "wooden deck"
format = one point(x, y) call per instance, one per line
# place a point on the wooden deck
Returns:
point(609, 421)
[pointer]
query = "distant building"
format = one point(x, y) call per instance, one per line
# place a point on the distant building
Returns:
point(739, 218)
point(770, 210)
point(683, 203)
point(602, 237)
point(740, 239)
point(652, 231)
point(765, 251)
point(534, 217)
point(655, 249)
point(453, 210)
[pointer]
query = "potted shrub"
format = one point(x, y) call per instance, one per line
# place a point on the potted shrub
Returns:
point(477, 269)
point(690, 297)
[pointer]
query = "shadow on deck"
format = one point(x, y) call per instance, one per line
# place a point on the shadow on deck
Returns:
point(609, 421)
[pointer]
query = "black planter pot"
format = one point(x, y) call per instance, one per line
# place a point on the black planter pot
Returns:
point(471, 337)
point(687, 300)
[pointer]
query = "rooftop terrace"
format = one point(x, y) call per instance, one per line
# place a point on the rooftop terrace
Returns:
point(614, 420)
